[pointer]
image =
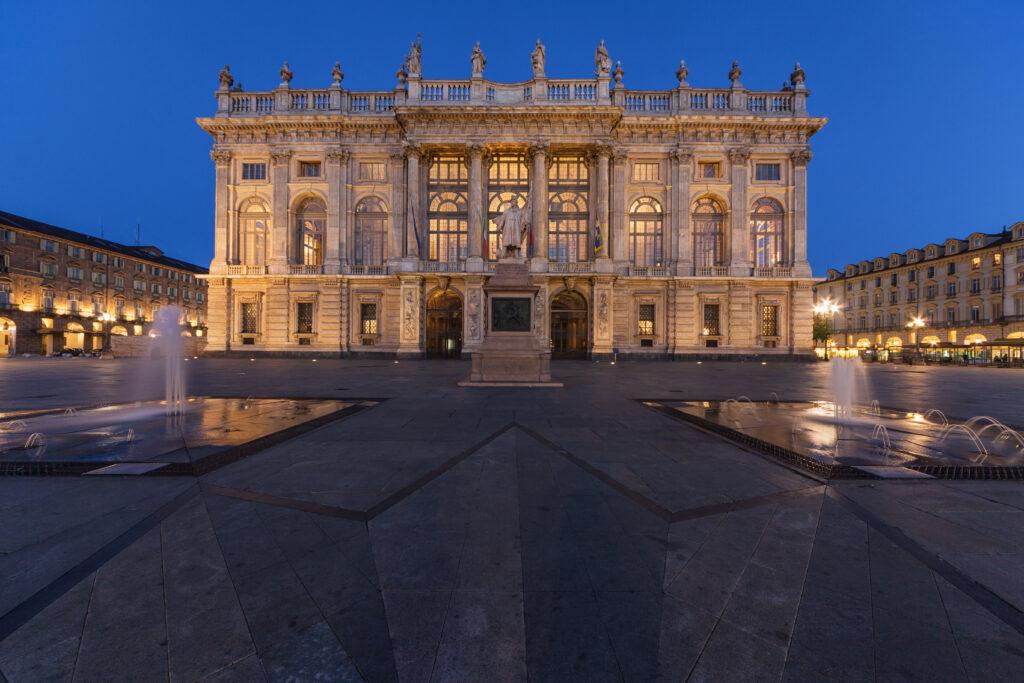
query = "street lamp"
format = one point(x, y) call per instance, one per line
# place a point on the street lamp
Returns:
point(106, 331)
point(915, 325)
point(824, 310)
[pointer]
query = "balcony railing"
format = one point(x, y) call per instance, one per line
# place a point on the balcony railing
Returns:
point(442, 266)
point(773, 271)
point(247, 270)
point(368, 270)
point(570, 267)
point(539, 92)
point(711, 271)
point(305, 270)
point(647, 271)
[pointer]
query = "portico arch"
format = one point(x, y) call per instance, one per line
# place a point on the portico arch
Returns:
point(444, 324)
point(570, 325)
point(8, 330)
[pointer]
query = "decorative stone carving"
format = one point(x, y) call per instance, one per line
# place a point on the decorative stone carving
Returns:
point(280, 156)
point(414, 60)
point(684, 155)
point(473, 308)
point(618, 75)
point(337, 156)
point(797, 77)
point(477, 61)
point(602, 313)
point(801, 157)
point(286, 75)
point(538, 320)
point(602, 62)
point(739, 155)
point(401, 75)
point(337, 75)
point(221, 157)
point(681, 73)
point(226, 79)
point(734, 75)
point(409, 314)
point(537, 59)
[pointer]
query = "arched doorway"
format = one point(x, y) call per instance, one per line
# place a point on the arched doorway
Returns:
point(569, 326)
point(74, 336)
point(7, 331)
point(444, 325)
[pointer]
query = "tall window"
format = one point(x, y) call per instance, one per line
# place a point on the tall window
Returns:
point(368, 318)
point(769, 320)
point(311, 220)
point(645, 319)
point(645, 232)
point(508, 182)
point(708, 222)
point(250, 318)
point(304, 317)
point(5, 294)
point(766, 223)
point(447, 209)
point(371, 221)
point(568, 209)
point(254, 231)
point(712, 321)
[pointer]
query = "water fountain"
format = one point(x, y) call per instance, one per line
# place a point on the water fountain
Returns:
point(168, 327)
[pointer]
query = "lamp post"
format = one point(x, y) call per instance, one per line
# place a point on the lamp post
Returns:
point(106, 332)
point(824, 311)
point(915, 325)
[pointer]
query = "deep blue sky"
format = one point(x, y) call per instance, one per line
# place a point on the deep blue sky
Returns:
point(924, 98)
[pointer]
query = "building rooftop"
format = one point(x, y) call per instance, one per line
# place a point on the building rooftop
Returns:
point(142, 253)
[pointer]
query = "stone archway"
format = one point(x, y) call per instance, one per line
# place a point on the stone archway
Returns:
point(570, 325)
point(444, 325)
point(8, 331)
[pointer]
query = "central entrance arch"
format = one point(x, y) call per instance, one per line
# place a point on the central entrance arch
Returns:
point(569, 324)
point(444, 325)
point(7, 332)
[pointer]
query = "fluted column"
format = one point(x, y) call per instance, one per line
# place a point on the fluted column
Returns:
point(739, 212)
point(618, 206)
point(414, 221)
point(279, 257)
point(800, 159)
point(221, 241)
point(601, 196)
point(682, 160)
point(539, 197)
point(476, 202)
point(335, 189)
point(396, 236)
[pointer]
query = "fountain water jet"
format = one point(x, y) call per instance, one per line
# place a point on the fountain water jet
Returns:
point(848, 383)
point(166, 323)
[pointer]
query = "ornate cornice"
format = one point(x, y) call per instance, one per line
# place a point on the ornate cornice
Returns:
point(220, 157)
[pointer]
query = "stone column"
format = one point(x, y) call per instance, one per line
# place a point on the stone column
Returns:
point(414, 221)
point(601, 195)
point(475, 263)
point(619, 250)
point(409, 323)
point(221, 241)
point(335, 189)
point(739, 212)
point(279, 243)
point(800, 159)
point(539, 197)
point(682, 162)
point(396, 233)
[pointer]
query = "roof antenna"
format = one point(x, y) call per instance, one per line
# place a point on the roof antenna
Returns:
point(138, 233)
point(101, 227)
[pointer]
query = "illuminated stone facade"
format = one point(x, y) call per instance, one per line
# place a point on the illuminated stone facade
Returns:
point(964, 290)
point(65, 289)
point(663, 223)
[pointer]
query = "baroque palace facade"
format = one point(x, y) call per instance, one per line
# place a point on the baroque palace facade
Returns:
point(62, 289)
point(964, 291)
point(665, 223)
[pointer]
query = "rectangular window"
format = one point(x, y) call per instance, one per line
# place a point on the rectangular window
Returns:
point(569, 210)
point(975, 314)
point(997, 310)
point(5, 295)
point(309, 169)
point(73, 303)
point(75, 252)
point(951, 268)
point(447, 209)
point(5, 263)
point(304, 317)
point(200, 297)
point(99, 257)
point(894, 296)
point(894, 279)
point(931, 271)
point(140, 267)
point(186, 295)
point(951, 289)
point(712, 327)
point(645, 319)
point(48, 268)
point(99, 279)
point(47, 300)
point(710, 169)
point(119, 308)
point(371, 170)
point(48, 245)
point(250, 321)
point(950, 315)
point(975, 263)
point(997, 259)
point(646, 171)
point(368, 318)
point(997, 283)
point(8, 236)
point(254, 171)
point(912, 276)
point(117, 262)
point(172, 292)
point(878, 282)
point(911, 294)
point(769, 320)
point(975, 285)
point(767, 172)
point(74, 273)
point(139, 285)
point(155, 289)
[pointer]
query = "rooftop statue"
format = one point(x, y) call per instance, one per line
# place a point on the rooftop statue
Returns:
point(477, 60)
point(513, 226)
point(286, 74)
point(413, 62)
point(618, 74)
point(401, 75)
point(682, 72)
point(602, 62)
point(735, 73)
point(337, 75)
point(797, 77)
point(226, 79)
point(537, 58)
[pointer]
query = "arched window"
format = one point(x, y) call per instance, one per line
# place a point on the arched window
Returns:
point(567, 227)
point(310, 221)
point(645, 232)
point(447, 209)
point(766, 229)
point(371, 221)
point(708, 235)
point(254, 232)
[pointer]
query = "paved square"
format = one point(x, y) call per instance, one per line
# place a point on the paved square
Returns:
point(506, 534)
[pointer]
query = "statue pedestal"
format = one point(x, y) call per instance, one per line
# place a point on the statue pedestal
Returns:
point(511, 354)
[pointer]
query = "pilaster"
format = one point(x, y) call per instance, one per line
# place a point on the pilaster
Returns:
point(414, 221)
point(539, 196)
point(476, 205)
point(739, 233)
point(618, 206)
point(602, 155)
point(218, 314)
point(396, 232)
point(682, 162)
point(222, 164)
point(800, 158)
point(279, 256)
point(335, 238)
point(411, 293)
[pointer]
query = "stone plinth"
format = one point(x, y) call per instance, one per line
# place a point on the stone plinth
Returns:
point(511, 354)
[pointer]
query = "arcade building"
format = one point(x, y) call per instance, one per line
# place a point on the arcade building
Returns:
point(668, 223)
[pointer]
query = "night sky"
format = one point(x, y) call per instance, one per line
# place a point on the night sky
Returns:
point(925, 99)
